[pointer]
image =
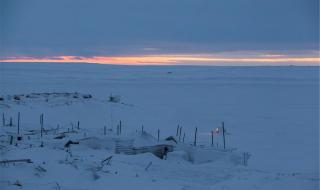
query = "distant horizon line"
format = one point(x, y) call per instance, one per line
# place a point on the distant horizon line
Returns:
point(175, 59)
point(159, 65)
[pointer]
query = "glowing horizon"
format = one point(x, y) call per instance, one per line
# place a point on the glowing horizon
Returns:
point(173, 59)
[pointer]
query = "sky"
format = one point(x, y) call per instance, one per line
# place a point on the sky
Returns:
point(209, 32)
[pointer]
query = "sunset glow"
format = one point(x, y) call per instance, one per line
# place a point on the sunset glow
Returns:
point(173, 60)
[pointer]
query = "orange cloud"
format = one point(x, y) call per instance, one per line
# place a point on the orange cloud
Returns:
point(191, 59)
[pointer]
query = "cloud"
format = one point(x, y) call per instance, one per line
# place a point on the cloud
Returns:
point(117, 27)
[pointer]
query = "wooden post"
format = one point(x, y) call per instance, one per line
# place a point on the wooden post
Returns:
point(14, 161)
point(41, 124)
point(78, 126)
point(150, 163)
point(3, 120)
point(10, 122)
point(111, 115)
point(184, 135)
point(223, 136)
point(120, 127)
point(142, 129)
point(158, 134)
point(180, 133)
point(244, 158)
point(117, 129)
point(195, 137)
point(177, 131)
point(212, 138)
point(11, 140)
point(18, 122)
point(104, 130)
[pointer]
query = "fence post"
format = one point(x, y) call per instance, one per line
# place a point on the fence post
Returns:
point(195, 137)
point(104, 130)
point(158, 134)
point(117, 129)
point(245, 158)
point(78, 125)
point(212, 138)
point(177, 131)
point(41, 124)
point(180, 133)
point(18, 122)
point(224, 136)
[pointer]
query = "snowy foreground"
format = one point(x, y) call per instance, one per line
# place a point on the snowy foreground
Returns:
point(272, 113)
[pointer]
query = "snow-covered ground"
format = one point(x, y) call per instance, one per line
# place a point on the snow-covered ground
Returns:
point(270, 112)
